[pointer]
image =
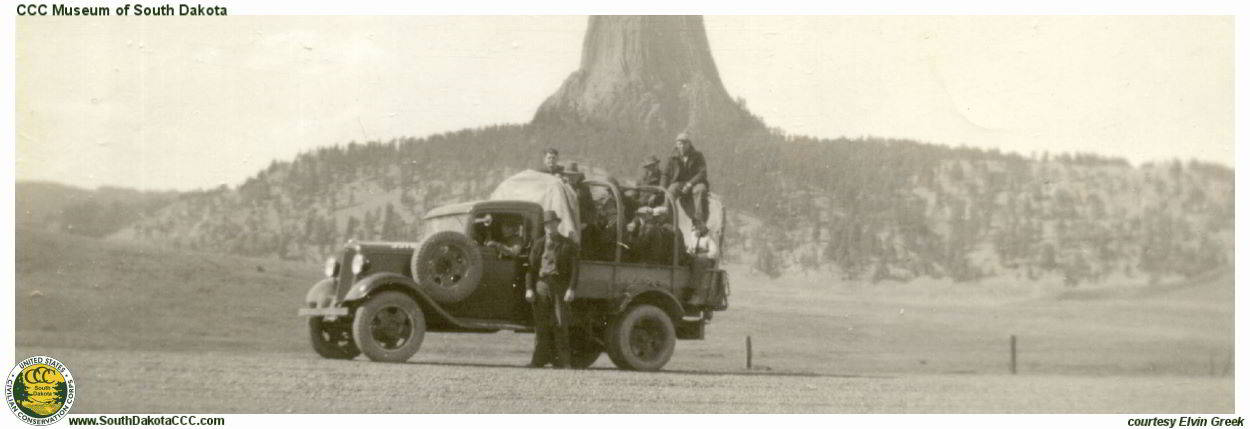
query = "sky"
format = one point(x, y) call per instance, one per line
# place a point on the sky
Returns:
point(191, 103)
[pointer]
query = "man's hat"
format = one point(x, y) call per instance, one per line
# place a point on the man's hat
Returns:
point(683, 137)
point(650, 160)
point(550, 216)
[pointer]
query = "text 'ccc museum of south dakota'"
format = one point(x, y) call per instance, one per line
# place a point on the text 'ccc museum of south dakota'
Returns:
point(123, 10)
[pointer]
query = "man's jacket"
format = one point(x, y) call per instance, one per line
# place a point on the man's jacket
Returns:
point(692, 170)
point(562, 265)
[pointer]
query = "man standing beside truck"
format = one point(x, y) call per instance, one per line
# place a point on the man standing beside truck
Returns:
point(553, 266)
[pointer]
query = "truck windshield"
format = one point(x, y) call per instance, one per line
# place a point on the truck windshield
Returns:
point(454, 222)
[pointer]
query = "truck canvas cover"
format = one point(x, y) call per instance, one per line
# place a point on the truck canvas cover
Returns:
point(548, 191)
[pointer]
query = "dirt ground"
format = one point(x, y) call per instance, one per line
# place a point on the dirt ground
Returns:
point(218, 382)
point(153, 330)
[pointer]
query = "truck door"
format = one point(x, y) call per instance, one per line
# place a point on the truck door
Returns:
point(496, 295)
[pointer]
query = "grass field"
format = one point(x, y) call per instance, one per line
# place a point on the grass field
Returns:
point(895, 344)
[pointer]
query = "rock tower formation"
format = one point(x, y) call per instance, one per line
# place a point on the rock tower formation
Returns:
point(653, 74)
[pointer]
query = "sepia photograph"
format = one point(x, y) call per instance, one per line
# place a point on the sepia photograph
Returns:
point(222, 213)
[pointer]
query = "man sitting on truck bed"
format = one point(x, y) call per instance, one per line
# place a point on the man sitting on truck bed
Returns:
point(666, 233)
point(651, 176)
point(650, 237)
point(551, 162)
point(641, 237)
point(686, 177)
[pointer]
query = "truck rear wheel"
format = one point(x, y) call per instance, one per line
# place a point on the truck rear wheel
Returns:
point(330, 340)
point(389, 327)
point(641, 339)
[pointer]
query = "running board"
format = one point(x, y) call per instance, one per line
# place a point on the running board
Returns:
point(492, 325)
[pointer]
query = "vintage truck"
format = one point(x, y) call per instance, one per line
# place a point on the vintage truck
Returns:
point(380, 298)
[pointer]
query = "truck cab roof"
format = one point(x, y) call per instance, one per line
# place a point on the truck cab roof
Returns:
point(486, 205)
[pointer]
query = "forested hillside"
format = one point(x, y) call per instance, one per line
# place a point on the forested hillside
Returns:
point(93, 213)
point(869, 209)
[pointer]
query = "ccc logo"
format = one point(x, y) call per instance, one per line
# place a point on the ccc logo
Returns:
point(40, 375)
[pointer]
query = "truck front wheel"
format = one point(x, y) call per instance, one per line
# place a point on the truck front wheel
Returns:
point(332, 340)
point(641, 339)
point(389, 327)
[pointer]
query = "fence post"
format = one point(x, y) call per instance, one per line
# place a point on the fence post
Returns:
point(1013, 354)
point(748, 352)
point(1228, 364)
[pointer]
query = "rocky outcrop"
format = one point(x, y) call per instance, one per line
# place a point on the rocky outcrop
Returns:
point(653, 74)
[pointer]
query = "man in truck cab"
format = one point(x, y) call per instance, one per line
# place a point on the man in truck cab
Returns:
point(483, 228)
point(512, 241)
point(553, 264)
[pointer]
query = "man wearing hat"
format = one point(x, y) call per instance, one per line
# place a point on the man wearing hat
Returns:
point(685, 176)
point(553, 266)
point(482, 231)
point(651, 176)
point(640, 235)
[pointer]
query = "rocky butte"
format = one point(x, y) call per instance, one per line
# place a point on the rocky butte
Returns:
point(652, 74)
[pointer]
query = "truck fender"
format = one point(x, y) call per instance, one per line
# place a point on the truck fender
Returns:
point(374, 282)
point(650, 295)
point(320, 294)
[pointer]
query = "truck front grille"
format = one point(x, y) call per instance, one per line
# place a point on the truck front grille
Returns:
point(346, 278)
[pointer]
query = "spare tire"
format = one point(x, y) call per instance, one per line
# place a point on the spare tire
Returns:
point(447, 266)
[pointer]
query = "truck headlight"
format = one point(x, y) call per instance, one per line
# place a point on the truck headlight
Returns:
point(332, 267)
point(359, 264)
